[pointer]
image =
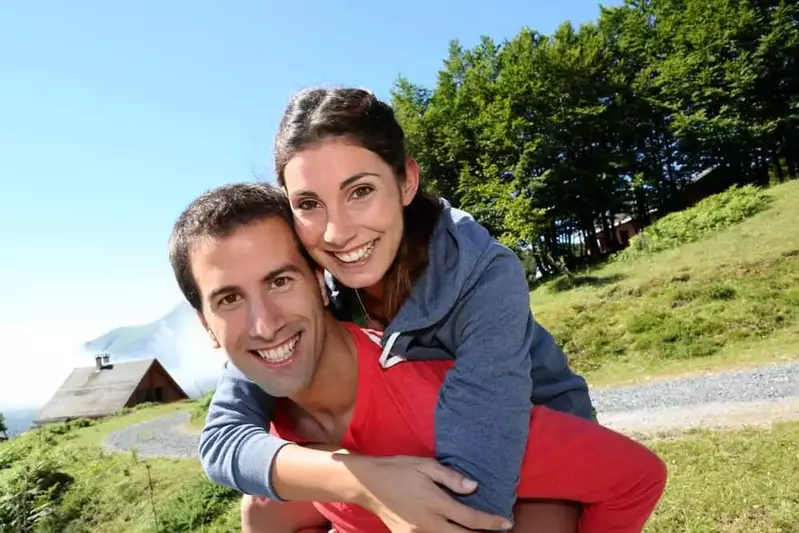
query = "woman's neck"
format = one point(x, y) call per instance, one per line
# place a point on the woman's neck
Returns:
point(372, 304)
point(375, 292)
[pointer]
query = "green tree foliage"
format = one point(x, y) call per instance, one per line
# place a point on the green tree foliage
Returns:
point(3, 428)
point(544, 138)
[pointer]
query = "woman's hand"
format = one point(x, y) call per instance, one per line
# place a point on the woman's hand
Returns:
point(404, 493)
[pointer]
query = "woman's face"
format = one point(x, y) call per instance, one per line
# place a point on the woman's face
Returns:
point(348, 205)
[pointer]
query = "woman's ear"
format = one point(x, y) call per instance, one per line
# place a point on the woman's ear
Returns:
point(320, 278)
point(410, 186)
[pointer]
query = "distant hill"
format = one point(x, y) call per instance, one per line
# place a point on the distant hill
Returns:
point(177, 340)
point(18, 420)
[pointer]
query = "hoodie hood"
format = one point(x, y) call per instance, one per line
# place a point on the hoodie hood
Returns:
point(455, 251)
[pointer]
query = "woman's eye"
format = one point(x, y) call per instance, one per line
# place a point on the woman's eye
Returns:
point(362, 191)
point(307, 205)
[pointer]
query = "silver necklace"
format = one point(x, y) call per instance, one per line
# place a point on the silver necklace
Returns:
point(365, 312)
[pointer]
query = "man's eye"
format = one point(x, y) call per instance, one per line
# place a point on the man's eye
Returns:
point(229, 299)
point(281, 282)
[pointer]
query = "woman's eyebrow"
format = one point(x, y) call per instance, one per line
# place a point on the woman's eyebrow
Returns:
point(344, 184)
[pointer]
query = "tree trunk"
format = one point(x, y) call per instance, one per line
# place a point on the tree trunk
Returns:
point(590, 239)
point(775, 158)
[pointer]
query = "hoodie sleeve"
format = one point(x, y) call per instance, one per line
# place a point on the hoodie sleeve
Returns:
point(483, 417)
point(236, 448)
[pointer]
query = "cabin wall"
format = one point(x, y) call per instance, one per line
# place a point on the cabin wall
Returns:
point(155, 387)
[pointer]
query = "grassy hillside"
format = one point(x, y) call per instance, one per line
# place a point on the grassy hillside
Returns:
point(716, 286)
point(62, 481)
point(728, 296)
point(730, 482)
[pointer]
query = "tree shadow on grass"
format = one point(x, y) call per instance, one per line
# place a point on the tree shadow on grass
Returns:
point(566, 283)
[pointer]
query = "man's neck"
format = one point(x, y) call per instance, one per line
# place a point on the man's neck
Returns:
point(334, 386)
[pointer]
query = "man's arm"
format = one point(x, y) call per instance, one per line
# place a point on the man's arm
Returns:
point(483, 416)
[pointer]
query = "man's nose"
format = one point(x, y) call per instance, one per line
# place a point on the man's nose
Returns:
point(266, 319)
point(339, 231)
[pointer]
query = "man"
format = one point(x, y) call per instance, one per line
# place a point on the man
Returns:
point(238, 262)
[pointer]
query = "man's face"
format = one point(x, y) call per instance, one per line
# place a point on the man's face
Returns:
point(262, 303)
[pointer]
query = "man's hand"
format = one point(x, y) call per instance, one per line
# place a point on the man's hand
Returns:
point(402, 491)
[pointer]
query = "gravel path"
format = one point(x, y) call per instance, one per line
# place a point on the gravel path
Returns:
point(760, 383)
point(162, 437)
point(756, 396)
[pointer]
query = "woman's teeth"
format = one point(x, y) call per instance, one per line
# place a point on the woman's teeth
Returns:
point(280, 353)
point(357, 255)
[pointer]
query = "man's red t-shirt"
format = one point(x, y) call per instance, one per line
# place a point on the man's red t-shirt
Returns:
point(569, 458)
point(393, 415)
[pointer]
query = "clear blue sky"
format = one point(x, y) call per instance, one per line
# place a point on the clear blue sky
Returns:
point(114, 115)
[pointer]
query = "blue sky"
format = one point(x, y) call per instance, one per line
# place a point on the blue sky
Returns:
point(114, 115)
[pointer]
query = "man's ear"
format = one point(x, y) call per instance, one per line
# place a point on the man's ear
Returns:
point(204, 322)
point(320, 278)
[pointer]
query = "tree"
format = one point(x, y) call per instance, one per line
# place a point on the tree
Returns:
point(545, 139)
point(3, 428)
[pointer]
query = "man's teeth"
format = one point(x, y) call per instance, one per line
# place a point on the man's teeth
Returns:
point(357, 255)
point(280, 353)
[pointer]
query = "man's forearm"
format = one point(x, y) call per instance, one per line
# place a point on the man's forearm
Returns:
point(319, 474)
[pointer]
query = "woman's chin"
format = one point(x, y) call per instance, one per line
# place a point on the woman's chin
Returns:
point(364, 280)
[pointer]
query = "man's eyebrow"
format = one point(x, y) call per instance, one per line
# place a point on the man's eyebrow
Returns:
point(268, 278)
point(344, 184)
point(288, 268)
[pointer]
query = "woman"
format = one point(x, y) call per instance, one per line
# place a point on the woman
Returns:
point(432, 278)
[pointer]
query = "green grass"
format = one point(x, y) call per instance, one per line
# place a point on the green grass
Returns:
point(719, 481)
point(200, 411)
point(103, 491)
point(730, 482)
point(707, 217)
point(730, 297)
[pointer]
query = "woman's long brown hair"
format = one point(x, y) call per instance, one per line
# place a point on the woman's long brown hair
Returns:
point(314, 115)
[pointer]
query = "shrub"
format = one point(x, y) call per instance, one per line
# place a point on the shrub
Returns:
point(195, 506)
point(200, 411)
point(12, 453)
point(31, 493)
point(712, 214)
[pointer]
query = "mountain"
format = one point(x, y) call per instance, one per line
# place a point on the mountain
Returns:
point(176, 339)
point(18, 420)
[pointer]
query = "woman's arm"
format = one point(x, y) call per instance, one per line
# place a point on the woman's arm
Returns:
point(237, 450)
point(483, 416)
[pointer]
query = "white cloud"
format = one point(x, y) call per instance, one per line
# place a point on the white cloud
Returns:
point(35, 361)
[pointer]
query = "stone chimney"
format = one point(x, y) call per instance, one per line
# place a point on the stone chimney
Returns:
point(101, 361)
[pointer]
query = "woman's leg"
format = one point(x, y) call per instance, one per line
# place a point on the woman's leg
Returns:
point(262, 515)
point(617, 480)
point(539, 516)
